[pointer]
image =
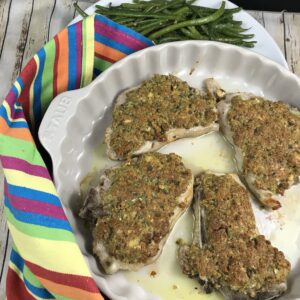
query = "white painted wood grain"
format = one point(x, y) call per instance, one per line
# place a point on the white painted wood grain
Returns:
point(38, 29)
point(62, 14)
point(5, 267)
point(4, 235)
point(273, 23)
point(14, 44)
point(4, 14)
point(258, 16)
point(292, 41)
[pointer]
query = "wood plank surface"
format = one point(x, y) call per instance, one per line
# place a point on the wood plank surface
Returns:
point(258, 16)
point(292, 41)
point(274, 25)
point(14, 44)
point(26, 25)
point(62, 15)
point(4, 267)
point(4, 18)
point(4, 239)
point(40, 18)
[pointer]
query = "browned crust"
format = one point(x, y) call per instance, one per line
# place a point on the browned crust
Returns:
point(233, 258)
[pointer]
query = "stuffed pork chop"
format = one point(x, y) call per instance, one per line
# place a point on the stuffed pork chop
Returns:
point(159, 111)
point(266, 138)
point(134, 208)
point(228, 253)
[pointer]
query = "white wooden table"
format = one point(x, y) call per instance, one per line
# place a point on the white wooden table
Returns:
point(26, 25)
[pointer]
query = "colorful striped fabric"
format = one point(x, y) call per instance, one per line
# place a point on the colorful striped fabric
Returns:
point(46, 262)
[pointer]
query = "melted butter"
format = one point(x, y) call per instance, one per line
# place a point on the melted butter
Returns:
point(100, 159)
point(208, 152)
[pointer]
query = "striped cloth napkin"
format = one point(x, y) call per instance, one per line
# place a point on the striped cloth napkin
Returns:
point(46, 262)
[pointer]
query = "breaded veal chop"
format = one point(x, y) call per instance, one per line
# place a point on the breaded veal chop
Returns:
point(266, 138)
point(134, 208)
point(227, 252)
point(159, 111)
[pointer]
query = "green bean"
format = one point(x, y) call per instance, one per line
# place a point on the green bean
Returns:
point(159, 2)
point(135, 14)
point(239, 23)
point(121, 19)
point(207, 10)
point(137, 26)
point(225, 19)
point(200, 21)
point(150, 25)
point(182, 10)
point(194, 30)
point(170, 39)
point(229, 33)
point(172, 35)
point(235, 41)
point(190, 2)
point(205, 29)
point(150, 29)
point(192, 34)
point(195, 11)
point(188, 33)
point(129, 24)
point(135, 6)
point(232, 11)
point(149, 9)
point(229, 26)
point(171, 4)
point(79, 10)
point(144, 22)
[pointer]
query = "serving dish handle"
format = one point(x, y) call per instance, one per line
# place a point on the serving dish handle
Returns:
point(52, 131)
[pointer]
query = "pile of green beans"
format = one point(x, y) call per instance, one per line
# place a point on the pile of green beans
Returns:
point(175, 20)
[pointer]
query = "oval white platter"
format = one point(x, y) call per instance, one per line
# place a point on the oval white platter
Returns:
point(72, 132)
point(265, 45)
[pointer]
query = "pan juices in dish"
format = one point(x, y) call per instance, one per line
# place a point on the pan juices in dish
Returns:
point(227, 252)
point(157, 112)
point(134, 207)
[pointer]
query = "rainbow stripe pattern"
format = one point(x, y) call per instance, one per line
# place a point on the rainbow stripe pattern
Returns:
point(46, 262)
